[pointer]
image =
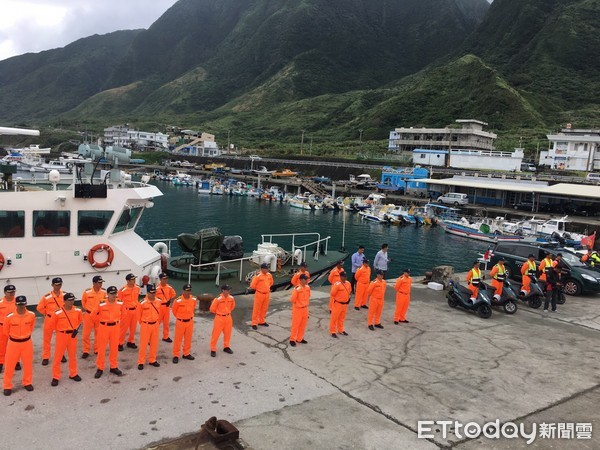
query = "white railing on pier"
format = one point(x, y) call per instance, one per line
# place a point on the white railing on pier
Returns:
point(219, 264)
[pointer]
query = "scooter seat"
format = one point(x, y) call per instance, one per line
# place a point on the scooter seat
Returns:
point(463, 289)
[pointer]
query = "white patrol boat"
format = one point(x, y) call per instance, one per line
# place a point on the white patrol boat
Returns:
point(74, 232)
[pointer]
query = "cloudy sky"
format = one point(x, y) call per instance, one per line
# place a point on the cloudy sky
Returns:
point(36, 25)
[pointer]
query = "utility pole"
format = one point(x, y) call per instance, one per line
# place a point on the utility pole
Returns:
point(302, 144)
point(228, 143)
point(310, 148)
point(360, 131)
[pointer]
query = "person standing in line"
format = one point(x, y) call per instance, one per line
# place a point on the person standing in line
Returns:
point(300, 300)
point(382, 259)
point(129, 295)
point(183, 311)
point(66, 322)
point(302, 271)
point(402, 288)
point(108, 317)
point(47, 306)
point(221, 307)
point(357, 259)
point(149, 327)
point(261, 283)
point(363, 278)
point(90, 300)
point(334, 277)
point(376, 293)
point(19, 327)
point(340, 292)
point(7, 306)
point(165, 294)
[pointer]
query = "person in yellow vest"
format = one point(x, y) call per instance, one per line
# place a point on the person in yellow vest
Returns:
point(546, 266)
point(474, 278)
point(498, 274)
point(402, 288)
point(528, 270)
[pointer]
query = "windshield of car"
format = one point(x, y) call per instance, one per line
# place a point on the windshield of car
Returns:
point(572, 260)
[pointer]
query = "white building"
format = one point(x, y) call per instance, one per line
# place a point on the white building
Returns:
point(469, 137)
point(573, 149)
point(469, 159)
point(198, 144)
point(123, 136)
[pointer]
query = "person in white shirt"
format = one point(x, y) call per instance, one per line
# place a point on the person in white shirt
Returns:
point(381, 260)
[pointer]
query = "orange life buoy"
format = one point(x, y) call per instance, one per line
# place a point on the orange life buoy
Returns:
point(1, 261)
point(98, 248)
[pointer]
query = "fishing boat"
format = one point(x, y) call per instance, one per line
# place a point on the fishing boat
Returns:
point(205, 187)
point(285, 173)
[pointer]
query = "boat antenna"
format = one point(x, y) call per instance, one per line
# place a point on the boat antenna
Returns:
point(343, 248)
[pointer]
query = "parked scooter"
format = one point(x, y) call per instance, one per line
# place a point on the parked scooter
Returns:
point(536, 294)
point(459, 295)
point(508, 300)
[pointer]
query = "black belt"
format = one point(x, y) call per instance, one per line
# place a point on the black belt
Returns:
point(149, 323)
point(184, 320)
point(49, 315)
point(342, 303)
point(19, 340)
point(223, 315)
point(263, 292)
point(131, 309)
point(109, 324)
point(87, 311)
point(301, 306)
point(65, 331)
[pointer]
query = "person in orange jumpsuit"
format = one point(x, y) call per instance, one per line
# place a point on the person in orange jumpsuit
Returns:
point(363, 278)
point(302, 271)
point(19, 327)
point(183, 311)
point(340, 292)
point(221, 307)
point(376, 293)
point(90, 300)
point(66, 322)
point(47, 306)
point(108, 316)
point(528, 270)
point(129, 295)
point(148, 314)
point(7, 306)
point(334, 277)
point(300, 300)
point(261, 283)
point(498, 274)
point(545, 266)
point(165, 295)
point(474, 279)
point(402, 288)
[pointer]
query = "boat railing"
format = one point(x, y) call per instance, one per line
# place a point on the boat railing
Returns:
point(219, 264)
point(268, 238)
point(168, 242)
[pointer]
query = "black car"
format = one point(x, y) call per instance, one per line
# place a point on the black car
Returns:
point(525, 206)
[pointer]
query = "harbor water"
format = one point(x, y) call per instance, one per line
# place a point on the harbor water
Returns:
point(182, 210)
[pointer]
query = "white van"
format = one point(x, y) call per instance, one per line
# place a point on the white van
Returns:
point(453, 198)
point(593, 178)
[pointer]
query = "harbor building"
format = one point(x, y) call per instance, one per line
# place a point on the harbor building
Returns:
point(194, 143)
point(469, 159)
point(123, 136)
point(469, 136)
point(573, 149)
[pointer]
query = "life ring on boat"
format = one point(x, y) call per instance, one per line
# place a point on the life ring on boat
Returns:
point(99, 248)
point(1, 261)
point(69, 165)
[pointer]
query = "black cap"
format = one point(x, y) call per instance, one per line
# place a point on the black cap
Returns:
point(130, 276)
point(302, 264)
point(69, 296)
point(57, 280)
point(163, 275)
point(365, 261)
point(10, 288)
point(303, 277)
point(530, 255)
point(340, 262)
point(150, 288)
point(501, 259)
point(97, 279)
point(225, 287)
point(476, 262)
point(21, 300)
point(407, 270)
point(112, 290)
point(343, 274)
point(264, 266)
point(379, 272)
point(187, 287)
point(559, 254)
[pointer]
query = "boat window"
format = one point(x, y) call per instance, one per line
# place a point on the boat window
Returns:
point(51, 223)
point(12, 224)
point(128, 219)
point(93, 222)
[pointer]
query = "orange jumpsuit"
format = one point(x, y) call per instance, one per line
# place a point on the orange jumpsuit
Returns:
point(221, 307)
point(6, 307)
point(362, 277)
point(300, 300)
point(183, 311)
point(48, 305)
point(527, 269)
point(402, 288)
point(296, 278)
point(546, 264)
point(148, 314)
point(340, 292)
point(90, 300)
point(261, 283)
point(108, 317)
point(333, 277)
point(474, 277)
point(20, 346)
point(376, 293)
point(64, 322)
point(130, 298)
point(165, 294)
point(498, 274)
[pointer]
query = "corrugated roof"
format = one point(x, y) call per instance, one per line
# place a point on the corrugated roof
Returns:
point(574, 190)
